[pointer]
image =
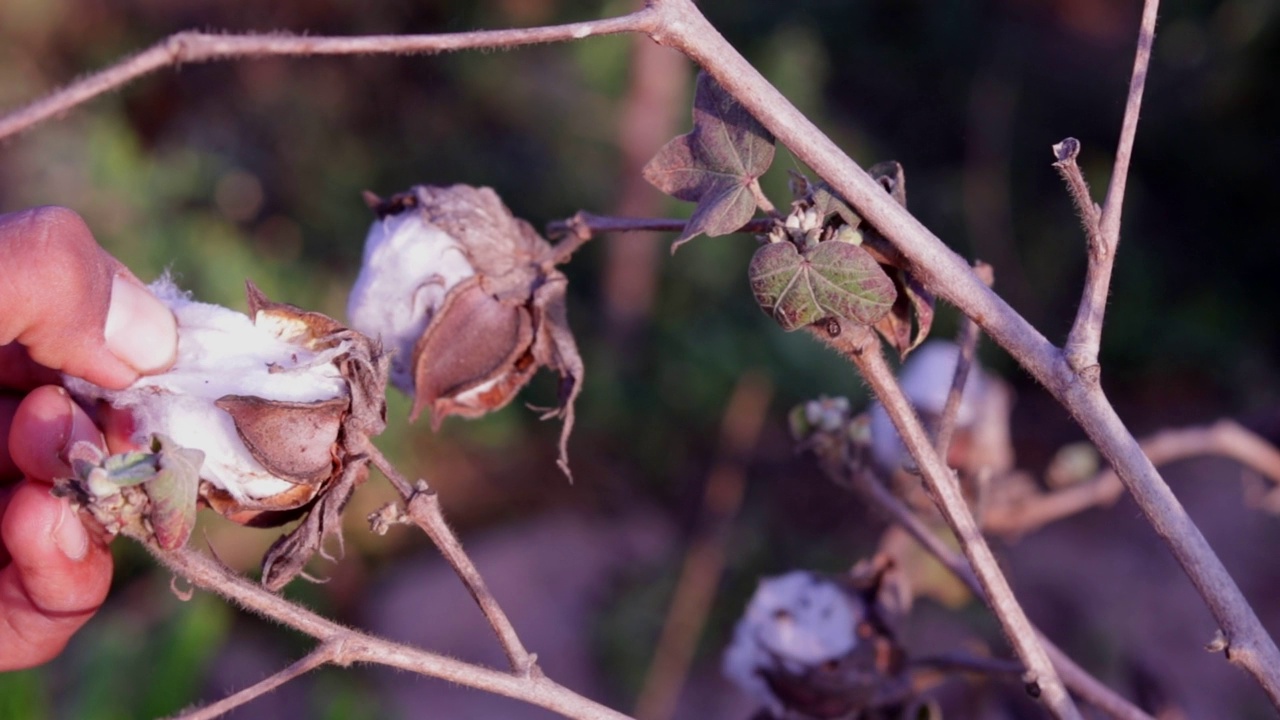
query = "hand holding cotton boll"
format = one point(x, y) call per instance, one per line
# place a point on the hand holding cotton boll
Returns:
point(468, 300)
point(263, 418)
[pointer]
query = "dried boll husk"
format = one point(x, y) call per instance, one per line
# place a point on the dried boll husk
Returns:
point(281, 403)
point(468, 299)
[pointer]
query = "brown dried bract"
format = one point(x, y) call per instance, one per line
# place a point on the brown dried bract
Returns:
point(496, 328)
point(317, 446)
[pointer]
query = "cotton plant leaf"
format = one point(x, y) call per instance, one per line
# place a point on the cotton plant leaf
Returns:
point(174, 492)
point(832, 279)
point(714, 164)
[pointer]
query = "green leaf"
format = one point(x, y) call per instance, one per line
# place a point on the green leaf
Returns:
point(714, 164)
point(173, 493)
point(834, 278)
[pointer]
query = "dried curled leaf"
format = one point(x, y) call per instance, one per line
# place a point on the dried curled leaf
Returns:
point(714, 164)
point(470, 301)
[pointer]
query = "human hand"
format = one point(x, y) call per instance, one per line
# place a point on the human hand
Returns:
point(65, 306)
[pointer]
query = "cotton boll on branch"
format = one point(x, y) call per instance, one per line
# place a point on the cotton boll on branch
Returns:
point(468, 299)
point(812, 646)
point(279, 402)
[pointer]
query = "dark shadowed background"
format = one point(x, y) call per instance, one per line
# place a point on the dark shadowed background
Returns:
point(254, 169)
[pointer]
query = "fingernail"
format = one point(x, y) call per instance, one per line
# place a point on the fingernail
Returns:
point(140, 330)
point(69, 534)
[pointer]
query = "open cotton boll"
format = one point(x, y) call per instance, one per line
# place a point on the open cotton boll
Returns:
point(793, 623)
point(410, 265)
point(468, 299)
point(264, 418)
point(222, 352)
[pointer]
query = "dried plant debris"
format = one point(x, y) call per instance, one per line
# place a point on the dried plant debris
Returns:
point(469, 301)
point(815, 647)
point(273, 410)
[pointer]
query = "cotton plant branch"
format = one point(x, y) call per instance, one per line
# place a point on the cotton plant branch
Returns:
point(1083, 684)
point(1086, 333)
point(968, 342)
point(422, 508)
point(1248, 645)
point(679, 24)
point(861, 346)
point(351, 646)
point(200, 47)
point(326, 653)
point(1225, 438)
point(587, 225)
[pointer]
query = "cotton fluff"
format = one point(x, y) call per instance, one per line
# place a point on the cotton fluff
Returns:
point(222, 352)
point(409, 266)
point(926, 379)
point(794, 622)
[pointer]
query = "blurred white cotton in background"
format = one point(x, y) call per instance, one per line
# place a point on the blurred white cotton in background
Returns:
point(794, 622)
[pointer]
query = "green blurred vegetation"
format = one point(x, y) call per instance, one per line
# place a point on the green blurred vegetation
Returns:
point(253, 169)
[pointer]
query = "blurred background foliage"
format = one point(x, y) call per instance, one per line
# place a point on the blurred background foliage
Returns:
point(253, 169)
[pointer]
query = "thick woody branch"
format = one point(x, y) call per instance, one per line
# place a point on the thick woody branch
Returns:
point(949, 276)
point(358, 647)
point(862, 347)
point(199, 47)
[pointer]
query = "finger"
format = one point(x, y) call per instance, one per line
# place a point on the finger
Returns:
point(45, 425)
point(56, 578)
point(74, 307)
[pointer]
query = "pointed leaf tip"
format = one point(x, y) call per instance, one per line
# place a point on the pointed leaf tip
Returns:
point(714, 164)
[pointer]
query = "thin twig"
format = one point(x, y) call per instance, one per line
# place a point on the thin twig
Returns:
point(422, 505)
point(588, 225)
point(1085, 337)
point(323, 654)
point(1225, 438)
point(359, 647)
point(968, 342)
point(1083, 684)
point(198, 47)
point(1065, 154)
point(744, 418)
point(862, 347)
point(945, 273)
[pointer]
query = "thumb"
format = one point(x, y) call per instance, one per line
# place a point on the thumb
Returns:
point(74, 307)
